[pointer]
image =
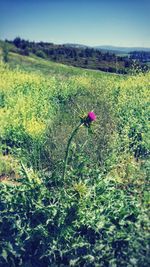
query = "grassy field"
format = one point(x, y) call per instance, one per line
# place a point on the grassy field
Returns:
point(98, 214)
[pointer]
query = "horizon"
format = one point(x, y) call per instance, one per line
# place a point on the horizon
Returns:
point(90, 23)
point(70, 43)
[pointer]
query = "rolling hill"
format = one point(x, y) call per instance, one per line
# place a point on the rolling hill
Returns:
point(95, 215)
point(81, 56)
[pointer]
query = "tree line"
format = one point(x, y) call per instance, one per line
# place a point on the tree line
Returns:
point(75, 56)
point(142, 56)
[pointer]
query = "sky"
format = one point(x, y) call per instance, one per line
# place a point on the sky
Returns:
point(89, 22)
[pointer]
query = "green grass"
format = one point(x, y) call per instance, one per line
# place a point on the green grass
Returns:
point(98, 215)
point(35, 64)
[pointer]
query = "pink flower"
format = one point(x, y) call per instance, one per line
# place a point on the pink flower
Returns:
point(91, 116)
point(87, 120)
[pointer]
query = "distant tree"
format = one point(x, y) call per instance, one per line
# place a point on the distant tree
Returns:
point(127, 64)
point(5, 52)
point(75, 58)
point(81, 54)
point(25, 52)
point(74, 54)
point(17, 42)
point(89, 52)
point(40, 53)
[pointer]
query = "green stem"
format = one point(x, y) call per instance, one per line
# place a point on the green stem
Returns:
point(68, 147)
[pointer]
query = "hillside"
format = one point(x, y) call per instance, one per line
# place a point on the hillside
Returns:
point(77, 56)
point(107, 60)
point(74, 191)
point(36, 64)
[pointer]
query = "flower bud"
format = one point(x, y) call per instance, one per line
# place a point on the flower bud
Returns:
point(91, 116)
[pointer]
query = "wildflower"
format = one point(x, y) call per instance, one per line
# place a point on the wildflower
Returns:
point(91, 116)
point(86, 120)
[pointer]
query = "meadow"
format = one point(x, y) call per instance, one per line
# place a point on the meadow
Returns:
point(98, 215)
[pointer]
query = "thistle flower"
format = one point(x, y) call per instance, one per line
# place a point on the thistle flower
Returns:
point(86, 120)
point(91, 116)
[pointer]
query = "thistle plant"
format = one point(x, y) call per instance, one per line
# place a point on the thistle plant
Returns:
point(85, 121)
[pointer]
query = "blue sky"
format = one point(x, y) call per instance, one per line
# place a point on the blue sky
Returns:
point(90, 22)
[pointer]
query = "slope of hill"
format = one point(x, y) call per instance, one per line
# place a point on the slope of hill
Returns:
point(36, 64)
point(80, 56)
point(95, 215)
point(77, 56)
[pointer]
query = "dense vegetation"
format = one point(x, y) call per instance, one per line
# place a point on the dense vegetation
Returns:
point(142, 56)
point(98, 215)
point(77, 56)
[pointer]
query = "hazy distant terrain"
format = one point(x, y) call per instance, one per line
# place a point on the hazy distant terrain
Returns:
point(122, 49)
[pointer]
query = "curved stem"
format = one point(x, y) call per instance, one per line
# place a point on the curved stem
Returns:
point(68, 147)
